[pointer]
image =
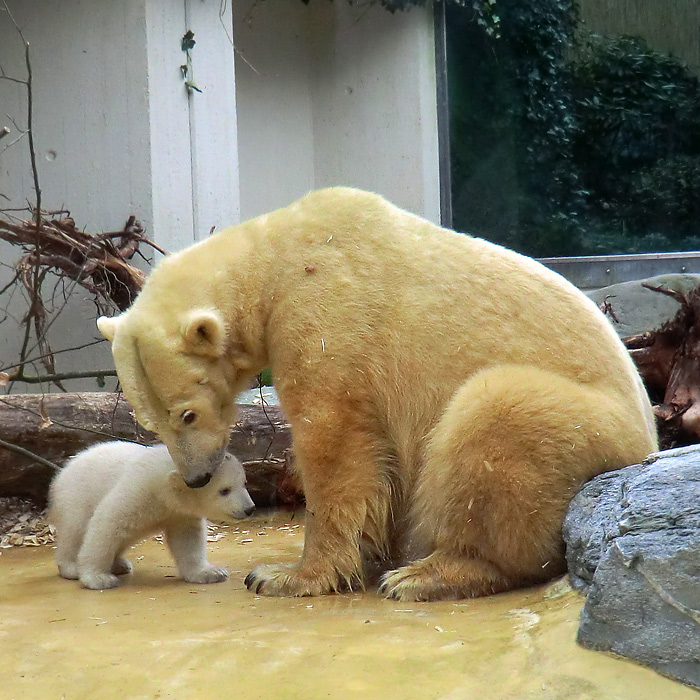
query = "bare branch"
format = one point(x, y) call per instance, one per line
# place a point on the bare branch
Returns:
point(59, 377)
point(26, 453)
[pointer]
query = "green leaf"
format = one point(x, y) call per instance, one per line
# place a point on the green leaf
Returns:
point(188, 41)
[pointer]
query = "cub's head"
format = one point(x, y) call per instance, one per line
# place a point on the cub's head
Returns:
point(223, 499)
point(181, 372)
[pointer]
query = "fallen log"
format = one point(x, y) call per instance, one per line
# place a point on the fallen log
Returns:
point(54, 427)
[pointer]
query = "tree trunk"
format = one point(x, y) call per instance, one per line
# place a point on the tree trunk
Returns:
point(55, 427)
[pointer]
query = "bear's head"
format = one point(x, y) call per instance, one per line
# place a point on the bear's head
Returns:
point(223, 499)
point(175, 370)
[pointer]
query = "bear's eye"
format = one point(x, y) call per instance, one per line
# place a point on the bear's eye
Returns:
point(225, 492)
point(188, 417)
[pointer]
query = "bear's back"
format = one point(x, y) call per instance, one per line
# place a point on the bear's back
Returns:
point(90, 475)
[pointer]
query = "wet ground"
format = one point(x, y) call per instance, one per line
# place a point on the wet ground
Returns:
point(159, 637)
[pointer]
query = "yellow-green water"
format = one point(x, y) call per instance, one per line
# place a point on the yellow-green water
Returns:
point(159, 637)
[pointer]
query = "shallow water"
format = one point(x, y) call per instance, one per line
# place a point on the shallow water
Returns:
point(159, 637)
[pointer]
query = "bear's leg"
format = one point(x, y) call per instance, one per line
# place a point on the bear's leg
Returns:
point(113, 526)
point(69, 537)
point(347, 500)
point(187, 541)
point(508, 454)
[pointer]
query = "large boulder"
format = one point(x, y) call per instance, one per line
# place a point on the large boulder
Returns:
point(633, 546)
point(638, 309)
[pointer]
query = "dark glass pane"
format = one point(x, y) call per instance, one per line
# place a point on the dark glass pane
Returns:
point(575, 128)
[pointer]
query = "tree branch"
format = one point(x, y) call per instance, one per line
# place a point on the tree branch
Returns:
point(26, 453)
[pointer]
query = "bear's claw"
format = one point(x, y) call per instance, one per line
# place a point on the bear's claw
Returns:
point(409, 585)
point(289, 581)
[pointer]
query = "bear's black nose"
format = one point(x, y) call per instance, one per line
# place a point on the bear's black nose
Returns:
point(250, 510)
point(199, 481)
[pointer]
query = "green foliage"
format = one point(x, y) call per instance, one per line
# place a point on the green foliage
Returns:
point(637, 146)
point(187, 43)
point(603, 134)
point(509, 90)
point(265, 378)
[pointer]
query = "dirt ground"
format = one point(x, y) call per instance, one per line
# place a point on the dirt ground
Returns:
point(159, 637)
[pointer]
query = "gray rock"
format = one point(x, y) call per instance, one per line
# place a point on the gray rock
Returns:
point(633, 545)
point(638, 309)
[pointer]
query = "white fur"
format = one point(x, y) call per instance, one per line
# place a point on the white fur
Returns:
point(114, 494)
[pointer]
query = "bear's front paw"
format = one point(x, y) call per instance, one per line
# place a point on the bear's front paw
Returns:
point(98, 581)
point(122, 566)
point(291, 580)
point(210, 574)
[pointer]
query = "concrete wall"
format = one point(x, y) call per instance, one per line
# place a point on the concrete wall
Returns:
point(117, 132)
point(318, 95)
point(330, 94)
point(275, 103)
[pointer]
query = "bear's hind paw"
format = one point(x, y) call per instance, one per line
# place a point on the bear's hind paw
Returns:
point(210, 574)
point(442, 577)
point(98, 581)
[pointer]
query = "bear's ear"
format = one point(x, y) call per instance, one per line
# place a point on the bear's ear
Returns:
point(204, 333)
point(108, 326)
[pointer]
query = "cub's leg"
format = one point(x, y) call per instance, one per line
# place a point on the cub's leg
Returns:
point(69, 537)
point(512, 448)
point(121, 566)
point(347, 503)
point(113, 526)
point(187, 541)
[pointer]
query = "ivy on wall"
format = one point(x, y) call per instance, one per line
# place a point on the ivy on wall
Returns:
point(568, 143)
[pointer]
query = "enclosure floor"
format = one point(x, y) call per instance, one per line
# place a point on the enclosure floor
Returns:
point(158, 637)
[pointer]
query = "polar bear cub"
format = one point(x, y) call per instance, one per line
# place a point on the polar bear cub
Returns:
point(114, 494)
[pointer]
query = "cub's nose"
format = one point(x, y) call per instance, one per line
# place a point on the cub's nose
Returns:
point(199, 481)
point(249, 511)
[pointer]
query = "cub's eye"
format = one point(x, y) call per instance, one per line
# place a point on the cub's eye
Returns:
point(225, 492)
point(188, 417)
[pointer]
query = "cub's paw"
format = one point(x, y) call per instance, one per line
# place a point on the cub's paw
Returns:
point(68, 570)
point(98, 581)
point(122, 566)
point(210, 574)
point(289, 580)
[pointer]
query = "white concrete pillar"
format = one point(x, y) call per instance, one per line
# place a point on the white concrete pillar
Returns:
point(116, 130)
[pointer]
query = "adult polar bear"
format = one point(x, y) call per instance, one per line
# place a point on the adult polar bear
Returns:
point(447, 397)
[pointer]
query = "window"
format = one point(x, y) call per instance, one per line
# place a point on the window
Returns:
point(574, 128)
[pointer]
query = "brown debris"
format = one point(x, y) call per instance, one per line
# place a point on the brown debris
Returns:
point(668, 360)
point(23, 524)
point(98, 262)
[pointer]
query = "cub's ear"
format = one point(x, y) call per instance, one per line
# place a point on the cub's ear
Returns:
point(108, 326)
point(204, 333)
